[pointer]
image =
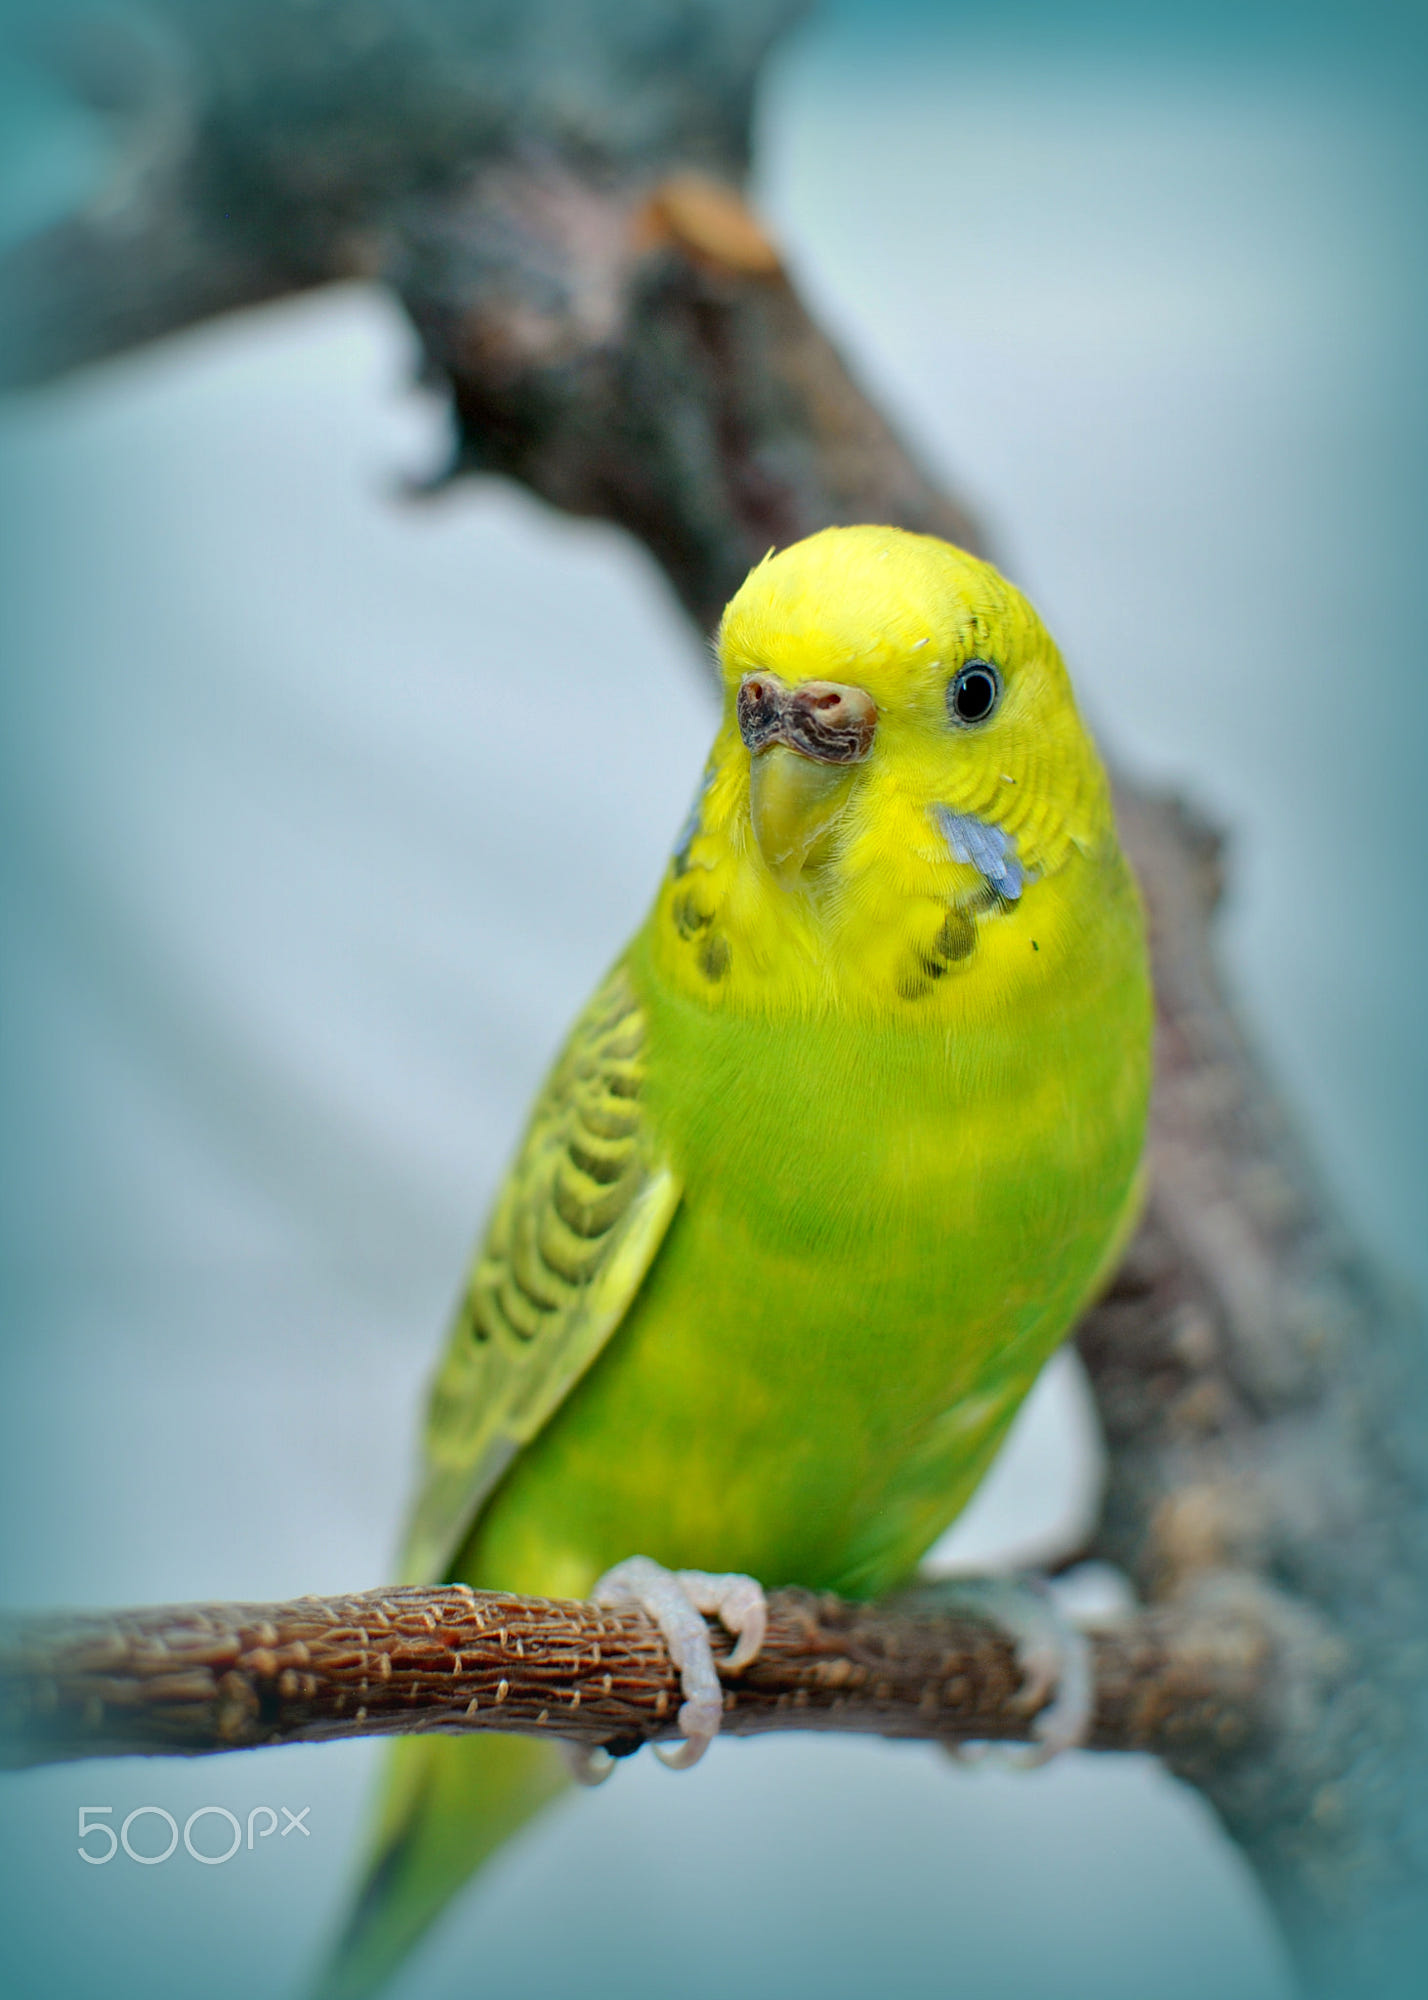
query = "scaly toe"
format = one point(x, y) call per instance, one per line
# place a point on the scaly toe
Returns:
point(738, 1602)
point(1054, 1657)
point(677, 1601)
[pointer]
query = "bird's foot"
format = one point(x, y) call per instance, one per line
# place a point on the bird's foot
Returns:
point(588, 1764)
point(1053, 1654)
point(677, 1601)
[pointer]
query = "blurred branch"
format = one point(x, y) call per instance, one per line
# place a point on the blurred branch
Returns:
point(559, 205)
point(1264, 1401)
point(185, 1681)
point(556, 206)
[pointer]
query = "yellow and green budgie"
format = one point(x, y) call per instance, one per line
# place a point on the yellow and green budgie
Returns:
point(828, 1167)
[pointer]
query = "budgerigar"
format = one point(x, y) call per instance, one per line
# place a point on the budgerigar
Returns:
point(826, 1170)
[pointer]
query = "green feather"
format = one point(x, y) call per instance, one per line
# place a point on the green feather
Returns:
point(826, 1171)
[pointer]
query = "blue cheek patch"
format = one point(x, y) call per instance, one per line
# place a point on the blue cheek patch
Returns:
point(985, 847)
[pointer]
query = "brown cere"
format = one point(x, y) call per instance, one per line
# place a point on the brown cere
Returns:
point(760, 705)
point(822, 720)
point(830, 723)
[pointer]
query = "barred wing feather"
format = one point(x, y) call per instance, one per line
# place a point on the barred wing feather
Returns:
point(577, 1225)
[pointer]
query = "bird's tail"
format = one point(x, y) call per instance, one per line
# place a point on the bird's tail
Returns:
point(447, 1803)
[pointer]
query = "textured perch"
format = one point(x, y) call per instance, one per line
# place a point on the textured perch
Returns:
point(555, 196)
point(191, 1679)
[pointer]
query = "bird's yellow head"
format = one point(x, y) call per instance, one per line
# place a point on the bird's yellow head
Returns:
point(901, 767)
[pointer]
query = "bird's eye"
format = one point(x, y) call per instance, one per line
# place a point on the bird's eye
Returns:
point(974, 692)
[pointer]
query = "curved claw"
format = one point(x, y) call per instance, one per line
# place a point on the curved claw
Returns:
point(678, 1601)
point(682, 1756)
point(1054, 1656)
point(588, 1767)
point(738, 1602)
point(1065, 1722)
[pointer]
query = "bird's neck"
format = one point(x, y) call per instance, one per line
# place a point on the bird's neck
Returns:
point(899, 930)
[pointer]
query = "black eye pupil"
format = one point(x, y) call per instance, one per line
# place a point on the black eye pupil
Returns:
point(974, 693)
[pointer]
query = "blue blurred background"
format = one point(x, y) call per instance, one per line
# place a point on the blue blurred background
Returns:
point(291, 927)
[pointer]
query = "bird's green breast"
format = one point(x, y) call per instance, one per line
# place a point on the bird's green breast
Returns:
point(887, 1225)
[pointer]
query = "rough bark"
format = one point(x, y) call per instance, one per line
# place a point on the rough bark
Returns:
point(1264, 1400)
point(193, 1679)
point(558, 205)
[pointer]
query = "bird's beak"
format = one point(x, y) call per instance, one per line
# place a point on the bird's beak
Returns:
point(805, 744)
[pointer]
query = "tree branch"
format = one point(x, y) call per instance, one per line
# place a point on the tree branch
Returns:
point(559, 208)
point(194, 1679)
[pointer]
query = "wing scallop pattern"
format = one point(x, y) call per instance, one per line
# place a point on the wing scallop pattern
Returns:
point(577, 1224)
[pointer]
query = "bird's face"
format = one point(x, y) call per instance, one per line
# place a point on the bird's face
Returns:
point(900, 773)
point(891, 692)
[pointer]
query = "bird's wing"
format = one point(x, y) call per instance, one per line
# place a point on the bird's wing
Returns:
point(583, 1211)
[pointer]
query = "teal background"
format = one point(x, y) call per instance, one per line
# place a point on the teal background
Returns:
point(293, 916)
